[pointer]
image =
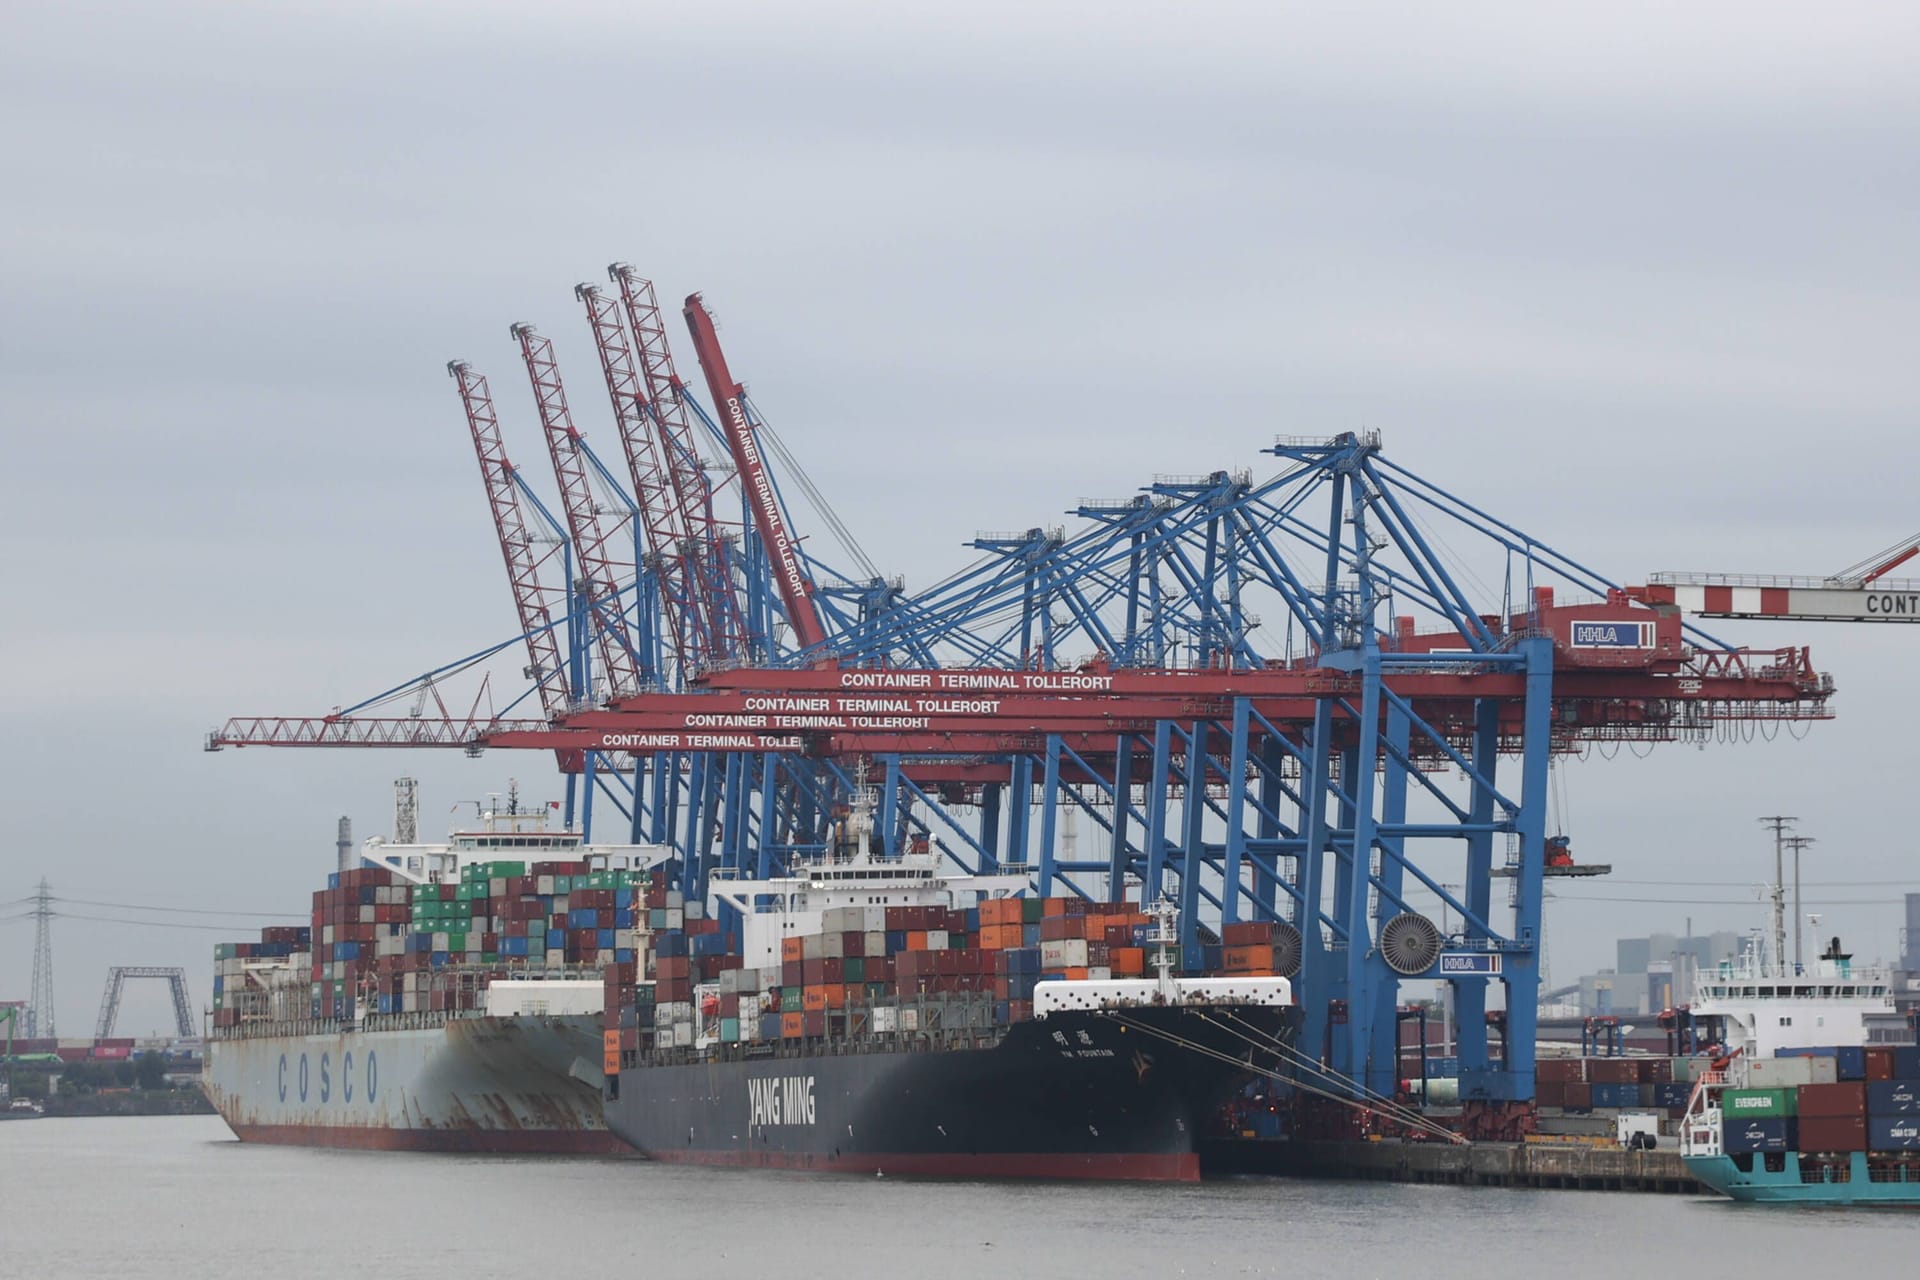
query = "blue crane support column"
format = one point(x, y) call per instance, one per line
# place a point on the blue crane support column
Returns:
point(765, 866)
point(1153, 864)
point(889, 818)
point(1019, 812)
point(1383, 1059)
point(991, 794)
point(1049, 808)
point(1470, 994)
point(1193, 852)
point(1362, 970)
point(1316, 978)
point(1234, 855)
point(1521, 971)
point(1120, 856)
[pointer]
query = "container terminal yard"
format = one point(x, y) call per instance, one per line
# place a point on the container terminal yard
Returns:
point(1284, 695)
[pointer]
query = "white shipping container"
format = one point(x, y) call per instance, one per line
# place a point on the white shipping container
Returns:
point(885, 1018)
point(696, 910)
point(682, 1035)
point(557, 959)
point(1788, 1073)
point(676, 918)
point(1100, 973)
point(497, 887)
point(937, 940)
point(543, 884)
point(1066, 953)
point(876, 922)
point(876, 940)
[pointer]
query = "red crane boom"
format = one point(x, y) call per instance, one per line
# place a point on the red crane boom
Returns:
point(720, 630)
point(597, 571)
point(789, 574)
point(530, 597)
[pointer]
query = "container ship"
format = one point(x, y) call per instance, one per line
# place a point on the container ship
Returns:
point(443, 997)
point(1798, 1107)
point(874, 1015)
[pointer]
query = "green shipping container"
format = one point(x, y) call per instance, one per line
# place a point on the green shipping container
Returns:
point(730, 1029)
point(792, 1000)
point(1758, 1104)
point(853, 969)
point(1031, 910)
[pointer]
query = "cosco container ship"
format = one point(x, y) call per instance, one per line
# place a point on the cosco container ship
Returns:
point(444, 997)
point(873, 1015)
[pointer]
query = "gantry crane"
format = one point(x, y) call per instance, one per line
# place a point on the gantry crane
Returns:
point(1859, 593)
point(1385, 730)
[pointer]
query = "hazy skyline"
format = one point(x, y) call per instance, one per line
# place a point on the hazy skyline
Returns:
point(1638, 280)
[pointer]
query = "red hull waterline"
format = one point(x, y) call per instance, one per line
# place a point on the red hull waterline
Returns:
point(1009, 1164)
point(532, 1142)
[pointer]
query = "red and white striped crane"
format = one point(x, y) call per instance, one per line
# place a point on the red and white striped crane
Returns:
point(540, 607)
point(596, 571)
point(1858, 593)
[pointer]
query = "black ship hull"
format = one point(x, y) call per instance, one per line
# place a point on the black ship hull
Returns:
point(1075, 1095)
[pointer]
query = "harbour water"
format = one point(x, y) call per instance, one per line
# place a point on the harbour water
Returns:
point(172, 1198)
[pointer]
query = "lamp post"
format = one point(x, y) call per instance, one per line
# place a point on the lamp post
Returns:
point(1797, 843)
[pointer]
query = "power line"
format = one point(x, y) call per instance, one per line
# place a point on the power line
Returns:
point(148, 924)
point(186, 911)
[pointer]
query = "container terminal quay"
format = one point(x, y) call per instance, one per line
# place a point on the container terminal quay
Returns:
point(1266, 758)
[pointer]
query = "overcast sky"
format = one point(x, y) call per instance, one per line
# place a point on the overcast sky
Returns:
point(1640, 280)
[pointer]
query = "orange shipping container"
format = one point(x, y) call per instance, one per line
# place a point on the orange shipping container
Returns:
point(1076, 975)
point(917, 940)
point(1249, 959)
point(792, 948)
point(792, 1025)
point(813, 999)
point(1128, 961)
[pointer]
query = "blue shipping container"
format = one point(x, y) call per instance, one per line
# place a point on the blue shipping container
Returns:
point(1818, 1051)
point(1746, 1136)
point(1906, 1062)
point(1893, 1133)
point(1616, 1095)
point(556, 939)
point(583, 918)
point(1893, 1097)
point(1850, 1061)
point(623, 919)
point(1671, 1094)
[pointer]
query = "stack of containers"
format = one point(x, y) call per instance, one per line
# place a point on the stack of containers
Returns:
point(874, 966)
point(240, 984)
point(361, 916)
point(1893, 1099)
point(1248, 948)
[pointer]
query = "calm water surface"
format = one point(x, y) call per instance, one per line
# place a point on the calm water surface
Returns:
point(169, 1199)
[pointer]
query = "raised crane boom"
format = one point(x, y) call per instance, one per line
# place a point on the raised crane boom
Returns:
point(597, 572)
point(720, 630)
point(790, 575)
point(545, 667)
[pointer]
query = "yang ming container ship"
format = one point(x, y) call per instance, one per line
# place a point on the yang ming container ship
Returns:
point(874, 1015)
point(443, 998)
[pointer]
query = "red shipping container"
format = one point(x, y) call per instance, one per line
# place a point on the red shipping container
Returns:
point(1832, 1101)
point(1613, 1071)
point(1879, 1064)
point(1833, 1133)
point(1548, 1093)
point(1560, 1070)
point(1578, 1096)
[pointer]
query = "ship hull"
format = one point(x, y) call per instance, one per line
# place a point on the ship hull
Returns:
point(1076, 1095)
point(511, 1084)
point(1785, 1186)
